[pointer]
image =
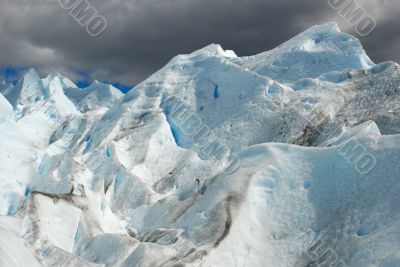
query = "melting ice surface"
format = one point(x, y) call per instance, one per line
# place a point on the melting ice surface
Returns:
point(96, 178)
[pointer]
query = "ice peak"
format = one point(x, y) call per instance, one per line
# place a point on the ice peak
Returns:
point(100, 86)
point(215, 50)
point(28, 89)
point(329, 27)
point(95, 82)
point(53, 74)
point(96, 85)
point(31, 76)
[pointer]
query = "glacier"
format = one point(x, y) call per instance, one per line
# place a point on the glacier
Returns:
point(285, 158)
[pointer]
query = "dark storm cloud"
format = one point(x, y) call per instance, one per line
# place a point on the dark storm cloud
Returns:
point(143, 35)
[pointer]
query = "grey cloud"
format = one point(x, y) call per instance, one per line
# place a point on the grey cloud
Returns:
point(143, 35)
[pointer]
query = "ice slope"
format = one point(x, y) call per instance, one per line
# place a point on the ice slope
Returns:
point(319, 50)
point(147, 179)
point(302, 195)
point(13, 251)
point(5, 87)
point(17, 161)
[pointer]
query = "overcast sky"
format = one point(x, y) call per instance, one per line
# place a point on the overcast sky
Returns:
point(143, 35)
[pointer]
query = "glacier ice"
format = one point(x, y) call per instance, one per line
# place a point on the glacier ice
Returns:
point(92, 177)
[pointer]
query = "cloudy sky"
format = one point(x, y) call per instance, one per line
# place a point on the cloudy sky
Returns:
point(143, 35)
